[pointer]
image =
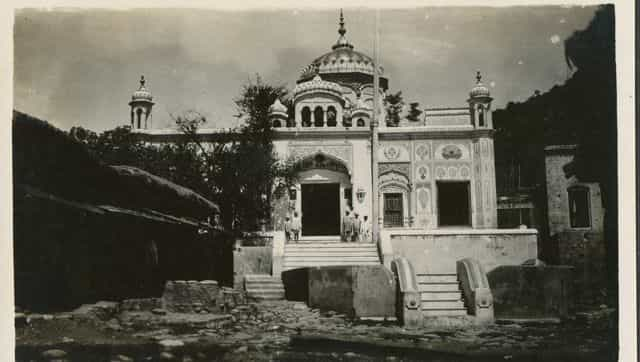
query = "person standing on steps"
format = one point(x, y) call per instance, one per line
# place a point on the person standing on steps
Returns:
point(287, 229)
point(365, 229)
point(296, 226)
point(346, 226)
point(356, 228)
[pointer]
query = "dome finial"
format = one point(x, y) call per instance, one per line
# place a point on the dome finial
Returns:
point(342, 40)
point(478, 77)
point(142, 81)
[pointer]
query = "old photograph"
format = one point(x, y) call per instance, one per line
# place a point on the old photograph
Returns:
point(325, 184)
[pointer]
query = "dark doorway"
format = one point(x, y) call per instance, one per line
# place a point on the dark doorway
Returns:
point(320, 209)
point(453, 204)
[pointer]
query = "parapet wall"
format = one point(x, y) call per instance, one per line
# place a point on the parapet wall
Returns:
point(437, 251)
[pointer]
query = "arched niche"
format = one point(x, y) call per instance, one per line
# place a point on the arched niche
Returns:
point(394, 190)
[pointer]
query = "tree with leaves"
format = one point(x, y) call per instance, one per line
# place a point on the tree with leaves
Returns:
point(393, 103)
point(581, 111)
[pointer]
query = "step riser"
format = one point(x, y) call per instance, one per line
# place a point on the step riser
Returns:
point(439, 287)
point(322, 258)
point(442, 304)
point(426, 296)
point(443, 313)
point(437, 278)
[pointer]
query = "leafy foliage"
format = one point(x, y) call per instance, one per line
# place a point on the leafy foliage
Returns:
point(393, 103)
point(582, 111)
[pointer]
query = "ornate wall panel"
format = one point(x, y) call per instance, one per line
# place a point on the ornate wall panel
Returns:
point(452, 152)
point(399, 167)
point(452, 172)
point(342, 150)
point(393, 152)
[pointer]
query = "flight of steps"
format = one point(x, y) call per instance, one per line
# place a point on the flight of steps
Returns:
point(327, 251)
point(264, 287)
point(441, 295)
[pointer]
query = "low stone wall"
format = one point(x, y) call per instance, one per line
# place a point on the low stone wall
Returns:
point(250, 260)
point(531, 291)
point(585, 251)
point(437, 251)
point(199, 296)
point(357, 291)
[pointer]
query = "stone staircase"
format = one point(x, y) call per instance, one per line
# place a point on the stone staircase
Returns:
point(327, 251)
point(264, 287)
point(440, 295)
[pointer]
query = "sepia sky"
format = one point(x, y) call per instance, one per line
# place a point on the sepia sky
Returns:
point(79, 68)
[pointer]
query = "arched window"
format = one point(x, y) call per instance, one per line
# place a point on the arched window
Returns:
point(318, 117)
point(579, 207)
point(139, 115)
point(360, 122)
point(480, 115)
point(331, 116)
point(277, 123)
point(306, 117)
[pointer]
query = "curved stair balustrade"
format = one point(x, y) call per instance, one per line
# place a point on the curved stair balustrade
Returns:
point(476, 290)
point(408, 299)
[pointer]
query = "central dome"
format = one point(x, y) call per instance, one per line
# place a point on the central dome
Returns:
point(342, 59)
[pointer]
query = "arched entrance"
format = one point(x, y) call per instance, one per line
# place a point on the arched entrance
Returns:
point(325, 192)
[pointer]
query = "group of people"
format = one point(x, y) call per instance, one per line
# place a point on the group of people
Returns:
point(292, 227)
point(355, 229)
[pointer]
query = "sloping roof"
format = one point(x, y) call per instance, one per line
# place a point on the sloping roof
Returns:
point(47, 159)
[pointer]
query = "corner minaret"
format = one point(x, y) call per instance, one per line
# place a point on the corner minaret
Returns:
point(480, 104)
point(141, 105)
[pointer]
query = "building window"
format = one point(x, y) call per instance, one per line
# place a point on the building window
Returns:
point(579, 208)
point(318, 117)
point(360, 122)
point(291, 122)
point(393, 210)
point(346, 122)
point(139, 115)
point(453, 204)
point(306, 117)
point(331, 116)
point(481, 115)
point(277, 123)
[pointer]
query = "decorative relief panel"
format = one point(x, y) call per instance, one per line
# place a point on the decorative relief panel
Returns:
point(393, 153)
point(424, 200)
point(452, 172)
point(400, 167)
point(423, 152)
point(452, 152)
point(341, 151)
point(422, 173)
point(394, 180)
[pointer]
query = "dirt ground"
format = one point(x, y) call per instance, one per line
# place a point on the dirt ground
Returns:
point(290, 331)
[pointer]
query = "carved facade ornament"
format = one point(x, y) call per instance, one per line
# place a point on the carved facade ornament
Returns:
point(451, 152)
point(423, 152)
point(422, 173)
point(455, 172)
point(391, 153)
point(424, 200)
point(400, 167)
point(342, 152)
point(394, 180)
point(321, 161)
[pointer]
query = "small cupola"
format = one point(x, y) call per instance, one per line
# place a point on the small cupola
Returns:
point(141, 105)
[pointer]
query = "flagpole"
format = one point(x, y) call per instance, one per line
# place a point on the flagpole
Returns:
point(375, 217)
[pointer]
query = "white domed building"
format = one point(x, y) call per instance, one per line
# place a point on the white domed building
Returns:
point(433, 181)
